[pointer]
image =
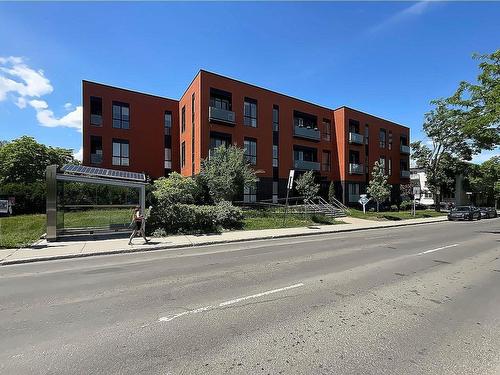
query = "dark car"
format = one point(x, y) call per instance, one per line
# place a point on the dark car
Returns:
point(488, 212)
point(465, 213)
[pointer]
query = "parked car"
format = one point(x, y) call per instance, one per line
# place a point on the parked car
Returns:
point(488, 212)
point(465, 213)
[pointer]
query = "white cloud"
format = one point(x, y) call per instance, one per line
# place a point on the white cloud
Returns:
point(79, 154)
point(414, 10)
point(24, 85)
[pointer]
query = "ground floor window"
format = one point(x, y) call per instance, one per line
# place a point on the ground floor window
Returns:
point(275, 191)
point(120, 152)
point(353, 192)
point(168, 158)
point(250, 194)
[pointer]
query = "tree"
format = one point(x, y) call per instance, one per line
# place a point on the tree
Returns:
point(461, 126)
point(378, 187)
point(479, 104)
point(331, 193)
point(226, 173)
point(485, 178)
point(25, 160)
point(306, 186)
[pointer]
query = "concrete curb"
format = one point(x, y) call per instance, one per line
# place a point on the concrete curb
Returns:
point(205, 243)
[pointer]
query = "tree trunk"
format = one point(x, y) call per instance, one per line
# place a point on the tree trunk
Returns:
point(437, 203)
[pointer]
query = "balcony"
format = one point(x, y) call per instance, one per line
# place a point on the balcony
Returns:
point(355, 138)
point(405, 174)
point(307, 133)
point(356, 168)
point(95, 120)
point(221, 115)
point(95, 158)
point(306, 165)
point(404, 149)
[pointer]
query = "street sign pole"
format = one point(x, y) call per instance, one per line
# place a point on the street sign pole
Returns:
point(288, 188)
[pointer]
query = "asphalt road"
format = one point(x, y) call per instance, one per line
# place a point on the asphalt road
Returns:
point(412, 300)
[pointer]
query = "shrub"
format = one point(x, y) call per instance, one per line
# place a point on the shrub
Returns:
point(306, 185)
point(228, 216)
point(176, 189)
point(394, 208)
point(405, 205)
point(160, 232)
point(182, 218)
point(30, 197)
point(321, 219)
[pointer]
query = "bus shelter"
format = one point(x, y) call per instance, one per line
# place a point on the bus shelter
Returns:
point(87, 215)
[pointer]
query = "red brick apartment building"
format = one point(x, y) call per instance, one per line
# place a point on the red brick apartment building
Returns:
point(138, 132)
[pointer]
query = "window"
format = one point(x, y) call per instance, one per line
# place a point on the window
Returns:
point(95, 111)
point(381, 161)
point(183, 119)
point(121, 115)
point(275, 155)
point(327, 130)
point(249, 194)
point(389, 145)
point(276, 118)
point(168, 122)
point(168, 158)
point(219, 139)
point(404, 140)
point(301, 119)
point(353, 126)
point(389, 167)
point(353, 157)
point(250, 146)
point(404, 164)
point(120, 152)
point(353, 193)
point(275, 191)
point(382, 138)
point(95, 149)
point(326, 163)
point(192, 109)
point(367, 133)
point(250, 112)
point(220, 99)
point(183, 154)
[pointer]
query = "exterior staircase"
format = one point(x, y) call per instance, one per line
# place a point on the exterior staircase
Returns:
point(318, 205)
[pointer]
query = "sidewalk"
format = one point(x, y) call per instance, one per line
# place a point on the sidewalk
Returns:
point(44, 250)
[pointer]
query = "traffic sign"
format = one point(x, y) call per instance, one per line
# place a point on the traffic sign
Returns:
point(290, 179)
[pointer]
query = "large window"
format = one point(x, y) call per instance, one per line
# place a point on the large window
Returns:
point(95, 111)
point(275, 156)
point(168, 158)
point(249, 194)
point(367, 133)
point(326, 163)
point(276, 118)
point(120, 152)
point(168, 122)
point(250, 112)
point(183, 154)
point(95, 149)
point(353, 192)
point(327, 130)
point(389, 144)
point(382, 134)
point(250, 146)
point(381, 161)
point(389, 167)
point(183, 119)
point(219, 139)
point(121, 115)
point(220, 99)
point(353, 126)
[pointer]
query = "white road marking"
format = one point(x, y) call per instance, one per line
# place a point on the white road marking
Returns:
point(233, 301)
point(437, 249)
point(227, 303)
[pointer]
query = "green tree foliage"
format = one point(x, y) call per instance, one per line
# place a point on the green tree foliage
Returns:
point(226, 172)
point(379, 188)
point(461, 126)
point(331, 193)
point(176, 189)
point(479, 103)
point(24, 160)
point(485, 179)
point(306, 185)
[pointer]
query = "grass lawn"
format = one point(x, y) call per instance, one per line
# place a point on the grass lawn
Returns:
point(268, 219)
point(395, 216)
point(17, 231)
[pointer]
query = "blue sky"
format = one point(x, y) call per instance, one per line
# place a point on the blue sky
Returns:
point(386, 58)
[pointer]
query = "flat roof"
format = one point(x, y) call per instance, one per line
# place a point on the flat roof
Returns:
point(251, 85)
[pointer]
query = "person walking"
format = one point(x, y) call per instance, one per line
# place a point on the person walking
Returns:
point(139, 226)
